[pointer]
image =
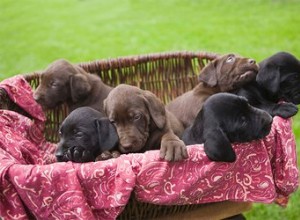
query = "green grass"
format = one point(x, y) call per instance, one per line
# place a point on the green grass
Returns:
point(34, 33)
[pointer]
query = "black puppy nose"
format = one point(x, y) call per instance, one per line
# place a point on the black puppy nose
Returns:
point(251, 61)
point(60, 158)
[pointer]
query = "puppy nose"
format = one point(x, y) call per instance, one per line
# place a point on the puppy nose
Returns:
point(127, 147)
point(36, 97)
point(59, 155)
point(60, 158)
point(251, 61)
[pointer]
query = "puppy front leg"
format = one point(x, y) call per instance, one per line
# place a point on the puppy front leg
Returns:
point(79, 155)
point(172, 148)
point(284, 110)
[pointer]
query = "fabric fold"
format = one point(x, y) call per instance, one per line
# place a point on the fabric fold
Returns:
point(33, 183)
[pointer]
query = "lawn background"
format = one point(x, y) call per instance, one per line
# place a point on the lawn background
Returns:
point(34, 33)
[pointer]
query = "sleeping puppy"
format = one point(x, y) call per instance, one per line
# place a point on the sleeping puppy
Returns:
point(278, 79)
point(224, 119)
point(86, 135)
point(143, 124)
point(223, 74)
point(64, 82)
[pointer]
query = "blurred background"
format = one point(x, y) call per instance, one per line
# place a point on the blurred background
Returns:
point(35, 33)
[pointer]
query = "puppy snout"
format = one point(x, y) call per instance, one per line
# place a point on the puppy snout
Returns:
point(59, 154)
point(251, 61)
point(266, 123)
point(127, 147)
point(37, 97)
point(267, 118)
point(60, 158)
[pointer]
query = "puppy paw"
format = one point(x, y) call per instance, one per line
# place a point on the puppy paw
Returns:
point(115, 154)
point(173, 149)
point(220, 156)
point(79, 155)
point(107, 155)
point(285, 110)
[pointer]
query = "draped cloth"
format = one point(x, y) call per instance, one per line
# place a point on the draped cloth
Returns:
point(31, 181)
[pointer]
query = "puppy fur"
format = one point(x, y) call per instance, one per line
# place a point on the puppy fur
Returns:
point(64, 82)
point(224, 119)
point(143, 124)
point(223, 74)
point(278, 79)
point(84, 135)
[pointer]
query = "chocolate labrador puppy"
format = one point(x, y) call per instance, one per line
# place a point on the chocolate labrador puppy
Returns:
point(224, 119)
point(85, 135)
point(143, 124)
point(223, 74)
point(64, 82)
point(278, 79)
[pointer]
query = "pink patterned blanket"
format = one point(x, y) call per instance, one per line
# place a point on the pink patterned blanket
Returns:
point(30, 179)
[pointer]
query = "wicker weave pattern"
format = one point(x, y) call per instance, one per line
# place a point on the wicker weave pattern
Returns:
point(167, 75)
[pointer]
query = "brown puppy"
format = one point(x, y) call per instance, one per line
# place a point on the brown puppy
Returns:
point(143, 124)
point(64, 82)
point(223, 74)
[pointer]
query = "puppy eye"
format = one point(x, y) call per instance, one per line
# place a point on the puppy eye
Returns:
point(137, 117)
point(53, 84)
point(230, 59)
point(79, 134)
point(112, 121)
point(243, 120)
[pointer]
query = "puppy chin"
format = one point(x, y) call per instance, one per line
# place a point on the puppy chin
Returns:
point(131, 149)
point(132, 145)
point(243, 79)
point(248, 75)
point(265, 131)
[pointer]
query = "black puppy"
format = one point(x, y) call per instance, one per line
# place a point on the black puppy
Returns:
point(84, 135)
point(225, 119)
point(278, 79)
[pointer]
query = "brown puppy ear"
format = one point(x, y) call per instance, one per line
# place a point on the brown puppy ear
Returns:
point(156, 109)
point(208, 74)
point(79, 86)
point(105, 106)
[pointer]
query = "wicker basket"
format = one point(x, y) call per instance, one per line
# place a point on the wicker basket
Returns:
point(167, 75)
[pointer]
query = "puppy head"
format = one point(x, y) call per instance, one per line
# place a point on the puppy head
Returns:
point(280, 76)
point(135, 113)
point(229, 72)
point(86, 130)
point(228, 118)
point(61, 82)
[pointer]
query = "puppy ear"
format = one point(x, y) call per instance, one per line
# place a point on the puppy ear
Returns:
point(268, 76)
point(105, 106)
point(79, 86)
point(208, 74)
point(217, 146)
point(156, 109)
point(107, 134)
